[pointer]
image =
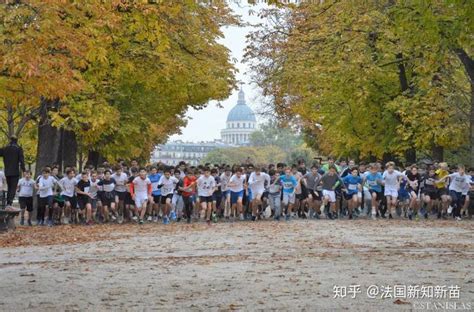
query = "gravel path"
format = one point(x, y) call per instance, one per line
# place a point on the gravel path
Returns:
point(241, 266)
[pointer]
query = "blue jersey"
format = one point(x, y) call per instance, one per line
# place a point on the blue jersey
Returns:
point(372, 181)
point(154, 178)
point(351, 183)
point(289, 183)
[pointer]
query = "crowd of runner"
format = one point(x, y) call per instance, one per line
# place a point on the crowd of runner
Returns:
point(214, 193)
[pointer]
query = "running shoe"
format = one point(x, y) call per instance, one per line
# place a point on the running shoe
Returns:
point(242, 217)
point(141, 221)
point(29, 223)
point(458, 218)
point(135, 218)
point(50, 223)
point(287, 217)
point(149, 219)
point(173, 216)
point(22, 221)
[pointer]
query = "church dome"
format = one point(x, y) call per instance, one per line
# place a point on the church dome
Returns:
point(241, 112)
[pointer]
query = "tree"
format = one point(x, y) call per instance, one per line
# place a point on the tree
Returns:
point(261, 155)
point(114, 78)
point(359, 79)
point(271, 133)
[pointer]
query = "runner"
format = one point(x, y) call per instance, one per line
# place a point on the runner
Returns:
point(120, 191)
point(225, 178)
point(25, 189)
point(257, 182)
point(236, 185)
point(108, 196)
point(289, 183)
point(391, 182)
point(312, 181)
point(45, 189)
point(140, 190)
point(84, 197)
point(274, 194)
point(329, 182)
point(353, 184)
point(156, 193)
point(68, 192)
point(413, 187)
point(374, 180)
point(167, 184)
point(206, 185)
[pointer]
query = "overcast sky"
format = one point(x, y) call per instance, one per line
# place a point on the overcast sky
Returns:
point(205, 124)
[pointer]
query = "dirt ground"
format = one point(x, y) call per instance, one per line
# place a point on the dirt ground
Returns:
point(285, 266)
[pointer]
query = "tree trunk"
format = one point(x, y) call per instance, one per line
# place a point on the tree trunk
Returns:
point(468, 63)
point(410, 156)
point(388, 157)
point(437, 153)
point(94, 158)
point(48, 143)
point(68, 155)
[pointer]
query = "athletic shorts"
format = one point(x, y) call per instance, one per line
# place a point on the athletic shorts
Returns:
point(249, 195)
point(288, 198)
point(128, 199)
point(107, 198)
point(140, 199)
point(120, 196)
point(433, 194)
point(234, 196)
point(300, 196)
point(59, 199)
point(316, 195)
point(165, 197)
point(443, 191)
point(330, 194)
point(378, 195)
point(391, 192)
point(217, 196)
point(26, 203)
point(46, 201)
point(82, 201)
point(205, 199)
point(72, 200)
point(348, 196)
point(226, 193)
point(156, 199)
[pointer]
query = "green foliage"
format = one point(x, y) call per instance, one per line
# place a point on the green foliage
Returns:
point(368, 78)
point(123, 73)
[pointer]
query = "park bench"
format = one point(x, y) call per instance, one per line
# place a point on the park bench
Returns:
point(7, 216)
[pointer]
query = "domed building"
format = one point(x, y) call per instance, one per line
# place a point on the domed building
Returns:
point(241, 122)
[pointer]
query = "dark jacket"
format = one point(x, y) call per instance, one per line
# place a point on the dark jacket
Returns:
point(13, 159)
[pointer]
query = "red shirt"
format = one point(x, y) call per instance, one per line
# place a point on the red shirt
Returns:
point(187, 181)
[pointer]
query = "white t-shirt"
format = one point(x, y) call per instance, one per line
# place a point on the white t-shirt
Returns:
point(391, 179)
point(224, 181)
point(257, 182)
point(168, 185)
point(141, 186)
point(26, 187)
point(68, 186)
point(239, 183)
point(94, 188)
point(205, 185)
point(120, 181)
point(46, 186)
point(459, 183)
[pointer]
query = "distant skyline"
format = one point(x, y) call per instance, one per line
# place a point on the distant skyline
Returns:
point(206, 124)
